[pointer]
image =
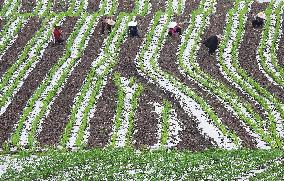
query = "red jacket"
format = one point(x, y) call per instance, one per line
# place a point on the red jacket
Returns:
point(56, 33)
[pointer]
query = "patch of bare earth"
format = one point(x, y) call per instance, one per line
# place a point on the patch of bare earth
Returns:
point(102, 122)
point(93, 5)
point(60, 5)
point(51, 55)
point(168, 62)
point(56, 121)
point(28, 6)
point(13, 52)
point(125, 6)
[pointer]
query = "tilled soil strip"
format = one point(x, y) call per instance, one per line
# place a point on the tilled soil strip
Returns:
point(280, 52)
point(93, 5)
point(157, 5)
point(102, 122)
point(248, 61)
point(54, 124)
point(27, 6)
point(209, 64)
point(125, 6)
point(168, 63)
point(60, 5)
point(50, 57)
point(17, 47)
point(146, 121)
point(127, 54)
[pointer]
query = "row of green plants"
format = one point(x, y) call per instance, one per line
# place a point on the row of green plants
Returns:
point(10, 5)
point(269, 42)
point(165, 122)
point(192, 69)
point(94, 79)
point(6, 35)
point(121, 95)
point(46, 96)
point(111, 164)
point(183, 88)
point(245, 82)
point(12, 78)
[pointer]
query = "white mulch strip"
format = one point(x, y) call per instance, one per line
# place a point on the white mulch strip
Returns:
point(123, 129)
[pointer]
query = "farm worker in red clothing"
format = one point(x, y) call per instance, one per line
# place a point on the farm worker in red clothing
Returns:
point(174, 29)
point(57, 34)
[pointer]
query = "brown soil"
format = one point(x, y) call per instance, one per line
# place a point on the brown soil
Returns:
point(60, 6)
point(50, 57)
point(102, 122)
point(28, 6)
point(157, 5)
point(56, 121)
point(167, 62)
point(93, 6)
point(125, 6)
point(26, 33)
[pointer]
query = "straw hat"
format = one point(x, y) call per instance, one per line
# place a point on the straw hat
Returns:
point(261, 15)
point(110, 22)
point(132, 23)
point(172, 24)
point(219, 36)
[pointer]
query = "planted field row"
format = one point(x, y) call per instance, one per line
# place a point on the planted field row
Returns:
point(162, 93)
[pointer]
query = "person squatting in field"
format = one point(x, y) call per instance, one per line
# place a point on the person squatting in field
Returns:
point(212, 43)
point(132, 29)
point(174, 29)
point(258, 20)
point(57, 35)
point(107, 24)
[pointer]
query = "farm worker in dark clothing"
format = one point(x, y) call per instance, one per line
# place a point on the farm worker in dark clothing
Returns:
point(107, 24)
point(57, 34)
point(132, 29)
point(174, 29)
point(258, 20)
point(212, 43)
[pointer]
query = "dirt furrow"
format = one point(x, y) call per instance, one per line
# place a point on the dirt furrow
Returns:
point(25, 34)
point(28, 6)
point(56, 121)
point(102, 122)
point(60, 5)
point(50, 57)
point(157, 5)
point(248, 61)
point(93, 5)
point(125, 6)
point(168, 61)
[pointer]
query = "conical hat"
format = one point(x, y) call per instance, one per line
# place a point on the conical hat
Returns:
point(172, 24)
point(261, 15)
point(110, 22)
point(219, 36)
point(132, 23)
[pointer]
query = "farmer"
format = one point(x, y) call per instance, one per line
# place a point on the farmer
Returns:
point(57, 35)
point(107, 23)
point(258, 20)
point(212, 43)
point(132, 29)
point(174, 29)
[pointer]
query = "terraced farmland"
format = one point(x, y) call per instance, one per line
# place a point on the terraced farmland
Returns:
point(152, 91)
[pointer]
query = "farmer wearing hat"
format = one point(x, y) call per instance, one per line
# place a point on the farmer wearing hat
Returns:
point(258, 20)
point(107, 23)
point(174, 29)
point(212, 43)
point(132, 29)
point(57, 34)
